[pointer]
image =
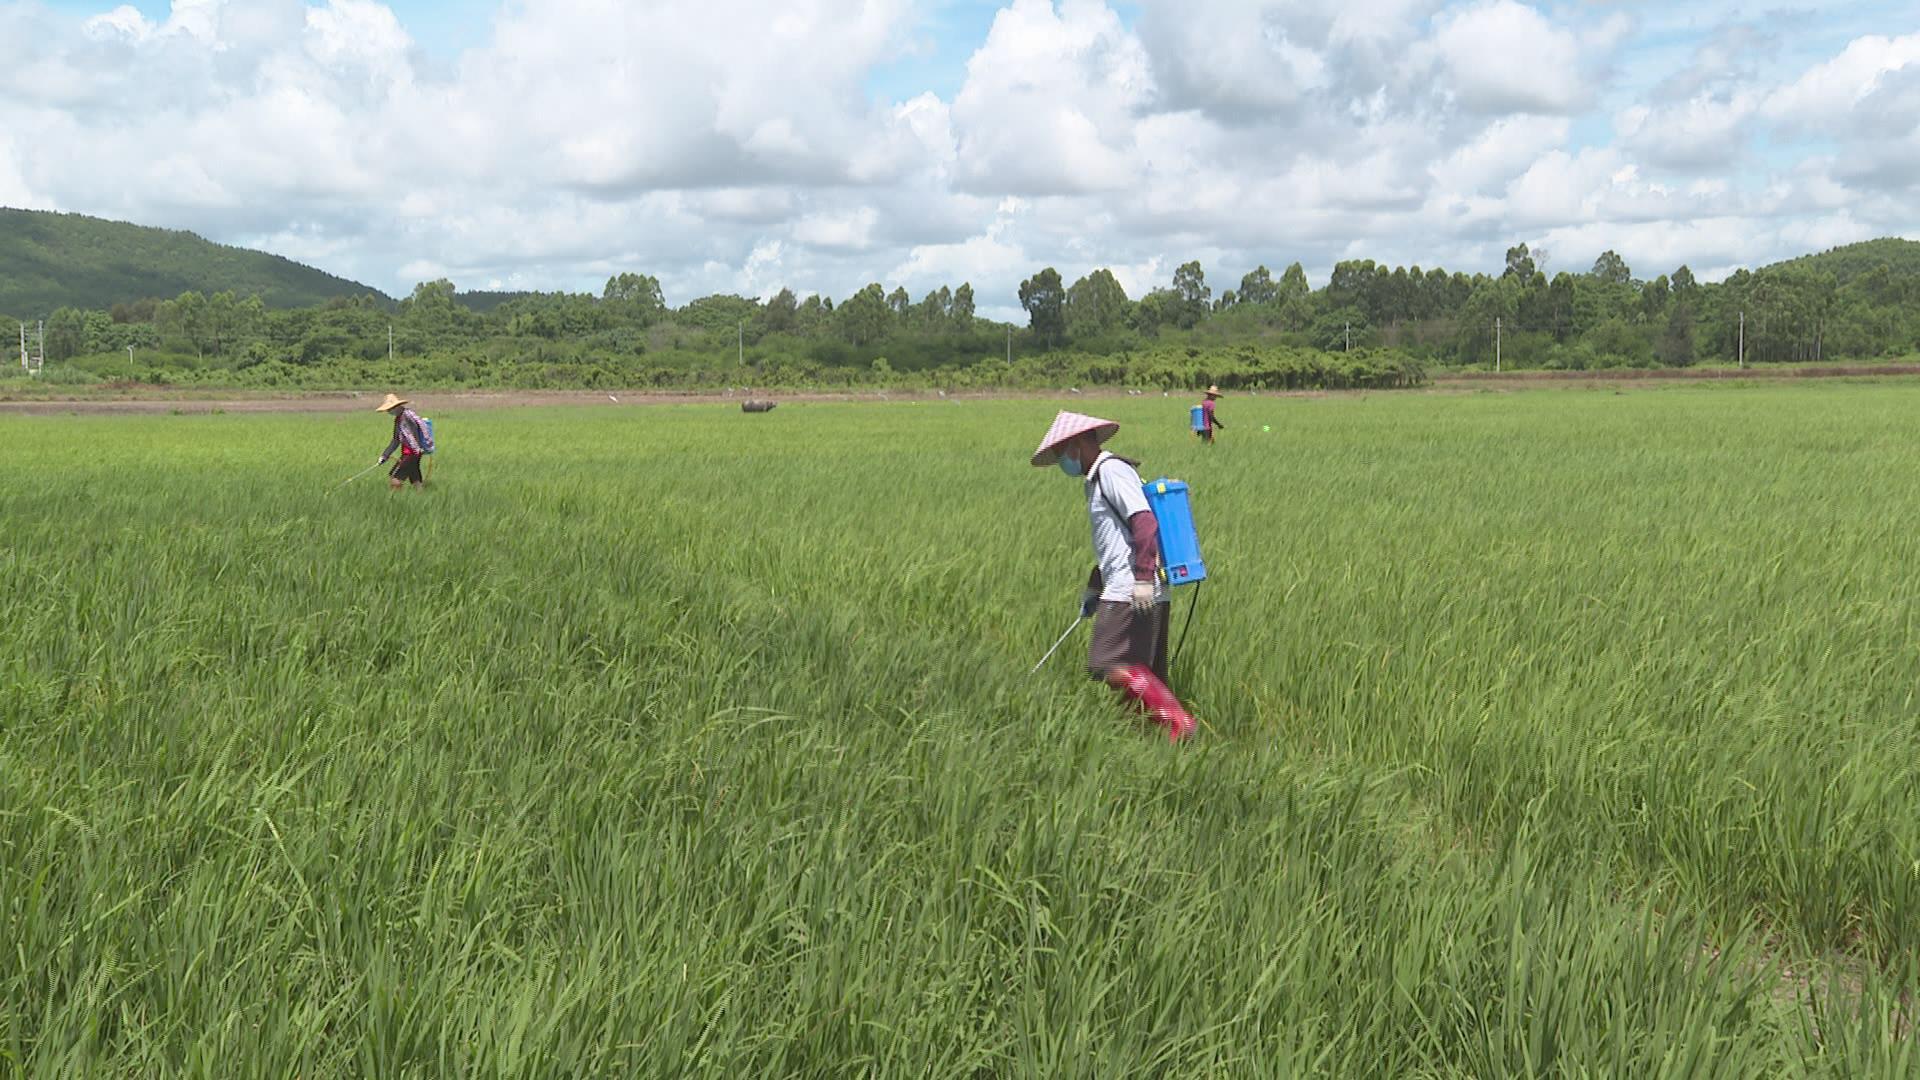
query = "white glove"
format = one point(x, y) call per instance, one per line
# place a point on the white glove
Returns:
point(1143, 596)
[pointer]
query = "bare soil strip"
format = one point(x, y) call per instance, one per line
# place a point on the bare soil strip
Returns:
point(1618, 377)
point(138, 399)
point(159, 400)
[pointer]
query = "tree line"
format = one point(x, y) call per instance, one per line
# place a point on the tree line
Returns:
point(1852, 302)
point(1845, 304)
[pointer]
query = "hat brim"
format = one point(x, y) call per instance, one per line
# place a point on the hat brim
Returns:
point(1050, 453)
point(394, 404)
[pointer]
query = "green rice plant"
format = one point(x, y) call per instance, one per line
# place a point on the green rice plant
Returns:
point(1563, 733)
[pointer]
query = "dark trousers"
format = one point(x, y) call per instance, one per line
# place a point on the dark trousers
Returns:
point(407, 469)
point(1123, 637)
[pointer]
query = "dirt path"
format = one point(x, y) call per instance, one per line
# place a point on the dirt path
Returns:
point(155, 399)
point(1619, 378)
point(149, 401)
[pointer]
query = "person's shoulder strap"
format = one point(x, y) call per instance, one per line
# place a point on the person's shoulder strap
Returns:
point(1093, 477)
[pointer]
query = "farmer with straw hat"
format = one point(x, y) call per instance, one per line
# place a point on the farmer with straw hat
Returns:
point(409, 437)
point(1125, 593)
point(1210, 421)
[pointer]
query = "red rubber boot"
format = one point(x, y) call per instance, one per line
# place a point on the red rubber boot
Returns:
point(1144, 689)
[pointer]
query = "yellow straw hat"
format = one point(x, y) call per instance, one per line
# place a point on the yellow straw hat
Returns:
point(392, 401)
point(1213, 391)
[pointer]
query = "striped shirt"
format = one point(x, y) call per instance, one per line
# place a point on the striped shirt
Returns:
point(406, 435)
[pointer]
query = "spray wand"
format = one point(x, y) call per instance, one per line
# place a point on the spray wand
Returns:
point(356, 476)
point(1057, 644)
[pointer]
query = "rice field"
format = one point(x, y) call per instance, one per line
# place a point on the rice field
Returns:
point(1543, 734)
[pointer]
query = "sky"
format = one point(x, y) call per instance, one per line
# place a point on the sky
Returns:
point(740, 147)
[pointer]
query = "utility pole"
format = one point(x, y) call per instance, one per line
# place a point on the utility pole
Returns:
point(389, 344)
point(740, 343)
point(33, 356)
point(1349, 337)
point(1009, 344)
point(129, 354)
point(1742, 361)
point(1496, 344)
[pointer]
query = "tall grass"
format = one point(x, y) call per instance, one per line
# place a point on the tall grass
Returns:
point(1550, 734)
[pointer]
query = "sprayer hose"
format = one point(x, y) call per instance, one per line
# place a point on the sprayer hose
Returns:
point(1191, 608)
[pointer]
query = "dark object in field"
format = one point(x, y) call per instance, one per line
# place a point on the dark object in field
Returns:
point(756, 406)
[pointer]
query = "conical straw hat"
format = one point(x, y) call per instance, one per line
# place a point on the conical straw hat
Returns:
point(1065, 427)
point(392, 400)
point(1214, 390)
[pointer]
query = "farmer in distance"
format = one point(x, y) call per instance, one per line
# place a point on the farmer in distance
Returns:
point(1210, 422)
point(410, 438)
point(1125, 594)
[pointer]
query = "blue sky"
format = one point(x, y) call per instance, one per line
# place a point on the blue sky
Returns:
point(730, 146)
point(943, 36)
point(445, 28)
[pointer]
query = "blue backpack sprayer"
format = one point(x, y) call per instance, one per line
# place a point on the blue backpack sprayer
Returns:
point(426, 442)
point(1180, 561)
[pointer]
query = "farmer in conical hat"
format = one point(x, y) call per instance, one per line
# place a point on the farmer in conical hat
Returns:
point(1210, 421)
point(1125, 594)
point(409, 437)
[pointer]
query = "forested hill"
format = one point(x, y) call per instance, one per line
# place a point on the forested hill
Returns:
point(50, 261)
point(1901, 258)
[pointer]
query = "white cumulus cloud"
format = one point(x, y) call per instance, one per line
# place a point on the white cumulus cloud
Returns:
point(1835, 87)
point(1503, 56)
point(1048, 104)
point(728, 146)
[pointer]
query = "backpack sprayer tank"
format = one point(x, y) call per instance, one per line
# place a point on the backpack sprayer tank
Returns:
point(1179, 545)
point(427, 445)
point(1179, 541)
point(1199, 418)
